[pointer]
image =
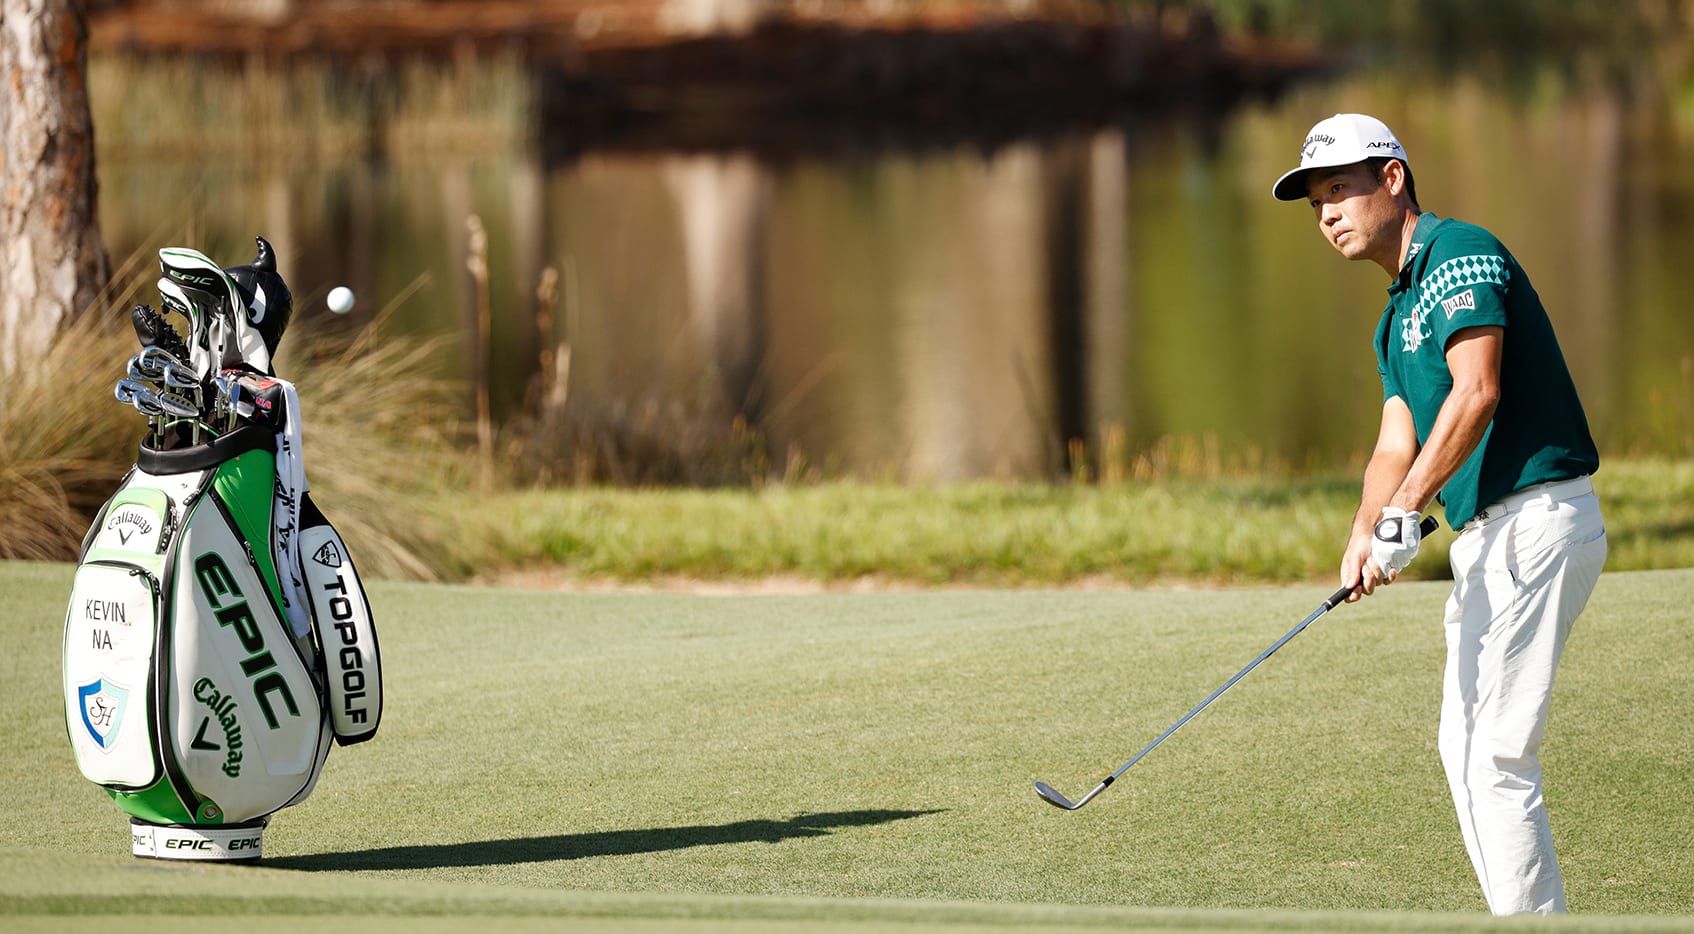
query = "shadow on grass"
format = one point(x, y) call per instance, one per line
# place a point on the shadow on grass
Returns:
point(584, 845)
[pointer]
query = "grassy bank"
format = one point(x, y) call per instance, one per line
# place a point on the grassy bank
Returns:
point(1211, 531)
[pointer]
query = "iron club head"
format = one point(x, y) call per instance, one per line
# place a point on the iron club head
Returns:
point(1053, 797)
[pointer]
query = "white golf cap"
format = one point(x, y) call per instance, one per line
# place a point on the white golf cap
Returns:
point(1339, 140)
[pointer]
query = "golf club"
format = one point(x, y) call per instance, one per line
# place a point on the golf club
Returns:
point(1053, 797)
point(226, 401)
point(151, 363)
point(161, 406)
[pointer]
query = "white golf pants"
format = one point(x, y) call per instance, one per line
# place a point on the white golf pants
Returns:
point(1522, 572)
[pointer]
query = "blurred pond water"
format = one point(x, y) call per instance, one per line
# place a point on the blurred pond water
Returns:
point(953, 313)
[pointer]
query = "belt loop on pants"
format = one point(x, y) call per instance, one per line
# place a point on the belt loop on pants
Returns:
point(1546, 494)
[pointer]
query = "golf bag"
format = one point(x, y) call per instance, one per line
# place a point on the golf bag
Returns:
point(218, 637)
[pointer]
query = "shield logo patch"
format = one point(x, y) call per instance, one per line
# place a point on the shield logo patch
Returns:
point(103, 704)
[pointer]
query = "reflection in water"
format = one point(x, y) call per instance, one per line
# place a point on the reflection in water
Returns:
point(721, 207)
point(952, 314)
point(973, 362)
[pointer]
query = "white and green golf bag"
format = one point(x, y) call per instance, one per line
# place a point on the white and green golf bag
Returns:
point(217, 639)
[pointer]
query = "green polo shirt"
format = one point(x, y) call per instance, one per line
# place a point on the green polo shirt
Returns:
point(1459, 276)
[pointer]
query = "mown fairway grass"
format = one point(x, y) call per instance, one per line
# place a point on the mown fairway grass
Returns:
point(864, 761)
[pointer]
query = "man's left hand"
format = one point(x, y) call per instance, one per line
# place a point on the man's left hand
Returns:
point(1395, 542)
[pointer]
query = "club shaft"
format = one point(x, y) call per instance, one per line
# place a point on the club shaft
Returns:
point(1333, 600)
point(1427, 526)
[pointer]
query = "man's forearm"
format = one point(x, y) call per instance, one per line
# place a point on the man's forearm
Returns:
point(1463, 420)
point(1385, 475)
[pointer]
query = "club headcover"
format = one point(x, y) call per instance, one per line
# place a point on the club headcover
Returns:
point(221, 332)
point(268, 300)
point(154, 331)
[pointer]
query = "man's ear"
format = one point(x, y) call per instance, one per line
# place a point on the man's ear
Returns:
point(1394, 176)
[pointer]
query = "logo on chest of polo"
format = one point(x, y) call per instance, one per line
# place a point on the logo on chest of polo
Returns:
point(1414, 330)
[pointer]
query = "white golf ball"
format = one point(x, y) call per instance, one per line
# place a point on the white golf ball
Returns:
point(340, 300)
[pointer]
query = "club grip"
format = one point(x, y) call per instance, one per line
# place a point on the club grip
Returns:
point(1427, 526)
point(1337, 598)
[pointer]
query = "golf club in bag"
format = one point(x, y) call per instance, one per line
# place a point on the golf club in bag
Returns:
point(218, 637)
point(1050, 795)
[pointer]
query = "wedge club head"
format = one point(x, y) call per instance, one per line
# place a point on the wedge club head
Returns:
point(1049, 795)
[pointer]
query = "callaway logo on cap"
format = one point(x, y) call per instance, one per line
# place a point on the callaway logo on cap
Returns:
point(1340, 140)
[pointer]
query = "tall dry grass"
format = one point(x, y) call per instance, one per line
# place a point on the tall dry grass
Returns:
point(64, 441)
point(384, 465)
point(387, 462)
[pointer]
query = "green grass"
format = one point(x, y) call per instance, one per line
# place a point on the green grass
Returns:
point(1184, 530)
point(649, 760)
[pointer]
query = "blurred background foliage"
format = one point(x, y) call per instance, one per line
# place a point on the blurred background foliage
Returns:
point(859, 245)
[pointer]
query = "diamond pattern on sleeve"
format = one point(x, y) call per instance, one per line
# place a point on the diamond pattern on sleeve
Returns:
point(1457, 273)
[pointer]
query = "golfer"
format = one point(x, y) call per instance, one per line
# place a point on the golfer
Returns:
point(1479, 411)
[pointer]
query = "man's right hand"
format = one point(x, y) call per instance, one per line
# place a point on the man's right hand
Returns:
point(1357, 568)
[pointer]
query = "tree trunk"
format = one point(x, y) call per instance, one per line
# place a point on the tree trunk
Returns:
point(53, 265)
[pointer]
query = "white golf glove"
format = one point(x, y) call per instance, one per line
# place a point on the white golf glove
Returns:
point(1395, 542)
